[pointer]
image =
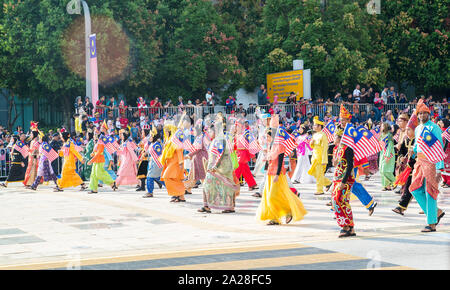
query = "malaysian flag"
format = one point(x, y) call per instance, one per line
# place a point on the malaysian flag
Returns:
point(254, 146)
point(217, 149)
point(108, 145)
point(349, 134)
point(367, 143)
point(376, 132)
point(113, 141)
point(244, 139)
point(287, 140)
point(397, 136)
point(22, 148)
point(198, 142)
point(446, 134)
point(48, 152)
point(181, 140)
point(329, 130)
point(130, 144)
point(156, 151)
point(431, 146)
point(93, 68)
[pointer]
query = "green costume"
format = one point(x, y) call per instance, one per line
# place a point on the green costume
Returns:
point(86, 169)
point(387, 161)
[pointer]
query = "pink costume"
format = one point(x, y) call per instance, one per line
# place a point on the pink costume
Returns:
point(127, 173)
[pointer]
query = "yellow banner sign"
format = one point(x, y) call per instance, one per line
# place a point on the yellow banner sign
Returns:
point(283, 83)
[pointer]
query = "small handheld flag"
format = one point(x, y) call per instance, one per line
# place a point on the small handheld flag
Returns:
point(156, 151)
point(48, 152)
point(431, 146)
point(329, 130)
point(22, 148)
point(286, 140)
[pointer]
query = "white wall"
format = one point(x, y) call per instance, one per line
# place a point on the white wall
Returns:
point(244, 97)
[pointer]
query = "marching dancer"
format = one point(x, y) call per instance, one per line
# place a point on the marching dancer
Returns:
point(18, 160)
point(69, 176)
point(278, 201)
point(98, 171)
point(342, 185)
point(319, 161)
point(426, 175)
point(303, 164)
point(173, 164)
point(45, 170)
point(220, 188)
point(387, 158)
point(143, 158)
point(33, 159)
point(127, 172)
point(199, 158)
point(154, 150)
point(244, 157)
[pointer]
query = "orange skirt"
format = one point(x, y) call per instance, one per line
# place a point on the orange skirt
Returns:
point(175, 187)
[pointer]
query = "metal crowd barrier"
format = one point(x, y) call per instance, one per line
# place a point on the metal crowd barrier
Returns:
point(316, 110)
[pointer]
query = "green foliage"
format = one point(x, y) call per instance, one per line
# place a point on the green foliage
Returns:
point(168, 48)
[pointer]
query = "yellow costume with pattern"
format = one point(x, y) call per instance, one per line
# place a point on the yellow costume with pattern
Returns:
point(319, 144)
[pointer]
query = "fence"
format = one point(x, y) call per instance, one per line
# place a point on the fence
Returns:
point(316, 110)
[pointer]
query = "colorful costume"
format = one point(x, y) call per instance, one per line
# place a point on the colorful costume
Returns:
point(127, 172)
point(343, 175)
point(277, 200)
point(86, 169)
point(173, 164)
point(319, 161)
point(16, 172)
point(220, 188)
point(303, 164)
point(33, 163)
point(199, 158)
point(69, 176)
point(154, 166)
point(45, 170)
point(387, 161)
point(98, 168)
point(244, 157)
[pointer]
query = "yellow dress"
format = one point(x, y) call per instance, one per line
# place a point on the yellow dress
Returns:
point(278, 200)
point(69, 177)
point(319, 145)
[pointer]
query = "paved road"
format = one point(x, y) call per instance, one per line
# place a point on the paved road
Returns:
point(122, 230)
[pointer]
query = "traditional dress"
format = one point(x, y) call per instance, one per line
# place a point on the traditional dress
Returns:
point(277, 200)
point(405, 177)
point(33, 163)
point(303, 164)
point(85, 168)
point(143, 163)
point(424, 184)
point(199, 161)
point(220, 188)
point(16, 172)
point(319, 160)
point(98, 171)
point(154, 166)
point(343, 175)
point(127, 172)
point(387, 161)
point(172, 160)
point(45, 171)
point(358, 189)
point(69, 176)
point(244, 157)
point(446, 172)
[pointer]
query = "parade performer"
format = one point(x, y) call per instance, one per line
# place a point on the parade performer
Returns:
point(127, 172)
point(173, 164)
point(405, 177)
point(199, 158)
point(18, 160)
point(244, 157)
point(143, 158)
point(154, 150)
point(261, 159)
point(33, 160)
point(387, 158)
point(69, 176)
point(98, 171)
point(303, 164)
point(45, 170)
point(86, 169)
point(342, 186)
point(220, 187)
point(426, 175)
point(278, 201)
point(446, 171)
point(319, 160)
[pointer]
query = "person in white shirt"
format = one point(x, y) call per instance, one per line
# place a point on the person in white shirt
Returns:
point(357, 92)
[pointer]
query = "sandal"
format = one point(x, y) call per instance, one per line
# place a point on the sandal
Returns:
point(228, 211)
point(398, 210)
point(148, 195)
point(273, 223)
point(288, 219)
point(439, 217)
point(428, 229)
point(174, 199)
point(203, 209)
point(344, 233)
point(114, 186)
point(256, 194)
